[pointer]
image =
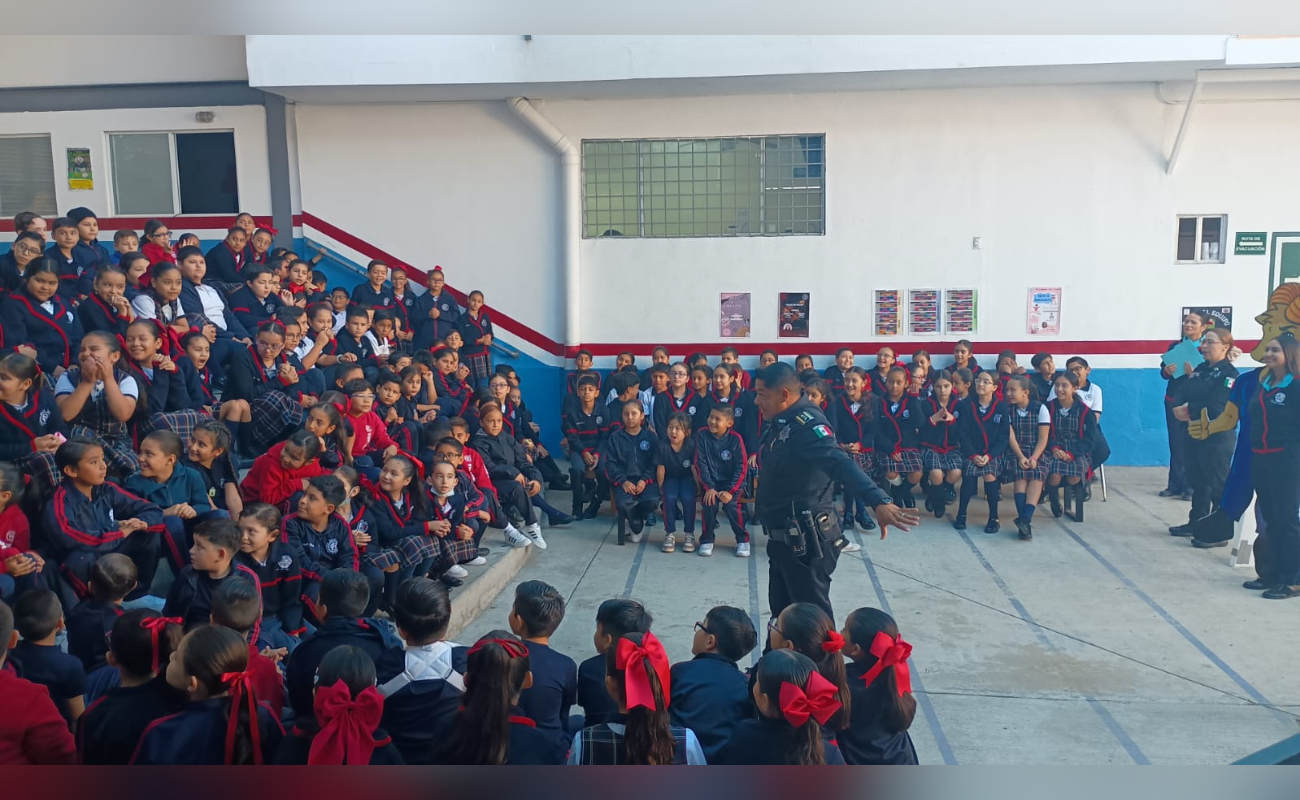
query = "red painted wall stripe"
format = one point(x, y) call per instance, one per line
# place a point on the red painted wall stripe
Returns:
point(178, 225)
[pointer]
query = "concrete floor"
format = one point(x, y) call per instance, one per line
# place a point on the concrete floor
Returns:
point(1097, 643)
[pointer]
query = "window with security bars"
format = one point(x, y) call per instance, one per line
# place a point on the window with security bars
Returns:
point(26, 176)
point(736, 186)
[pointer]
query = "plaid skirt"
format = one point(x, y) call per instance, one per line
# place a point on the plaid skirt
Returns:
point(910, 461)
point(944, 462)
point(44, 474)
point(182, 423)
point(865, 460)
point(272, 417)
point(480, 366)
point(1078, 468)
point(969, 470)
point(1012, 471)
point(119, 451)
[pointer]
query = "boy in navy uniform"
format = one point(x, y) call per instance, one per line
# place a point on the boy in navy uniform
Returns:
point(212, 563)
point(320, 539)
point(710, 695)
point(586, 425)
point(88, 251)
point(629, 459)
point(374, 294)
point(226, 259)
point(435, 314)
point(111, 580)
point(721, 463)
point(254, 302)
point(837, 372)
point(38, 616)
point(537, 612)
point(353, 346)
point(75, 274)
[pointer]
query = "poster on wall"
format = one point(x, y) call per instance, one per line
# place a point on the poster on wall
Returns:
point(793, 315)
point(1044, 313)
point(1218, 316)
point(959, 313)
point(888, 320)
point(923, 311)
point(734, 321)
point(80, 176)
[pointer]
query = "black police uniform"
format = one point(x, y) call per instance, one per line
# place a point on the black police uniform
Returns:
point(1207, 462)
point(800, 462)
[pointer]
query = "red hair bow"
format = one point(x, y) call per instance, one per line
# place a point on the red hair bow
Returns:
point(415, 462)
point(890, 651)
point(636, 661)
point(240, 685)
point(513, 647)
point(343, 411)
point(834, 642)
point(347, 725)
point(817, 701)
point(155, 626)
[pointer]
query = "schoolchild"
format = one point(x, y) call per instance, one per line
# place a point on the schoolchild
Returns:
point(158, 243)
point(678, 398)
point(167, 402)
point(212, 564)
point(226, 259)
point(802, 363)
point(809, 630)
point(836, 373)
point(456, 523)
point(879, 374)
point(853, 418)
point(253, 303)
point(198, 299)
point(675, 473)
point(963, 380)
point(26, 248)
point(940, 446)
point(32, 731)
point(629, 464)
point(537, 612)
point(269, 380)
point(209, 455)
point(922, 371)
point(625, 387)
point(340, 301)
point(436, 312)
point(98, 398)
point(322, 540)
point(107, 308)
point(73, 266)
point(347, 709)
point(31, 425)
point(374, 293)
point(517, 481)
point(1071, 438)
point(134, 265)
point(1026, 466)
point(21, 567)
point(38, 616)
point(161, 301)
point(1090, 393)
point(1044, 376)
point(476, 328)
point(614, 619)
point(278, 473)
point(38, 316)
point(817, 391)
point(794, 701)
point(984, 428)
point(175, 488)
point(720, 465)
point(710, 695)
point(279, 573)
point(898, 437)
point(963, 357)
point(586, 426)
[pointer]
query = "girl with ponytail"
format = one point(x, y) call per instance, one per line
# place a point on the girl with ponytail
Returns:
point(490, 729)
point(881, 685)
point(794, 702)
point(345, 725)
point(808, 630)
point(637, 678)
point(222, 723)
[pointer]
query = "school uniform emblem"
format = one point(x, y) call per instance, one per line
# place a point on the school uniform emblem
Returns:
point(686, 463)
point(285, 562)
point(270, 307)
point(997, 417)
point(45, 417)
point(444, 306)
point(691, 410)
point(645, 444)
point(739, 411)
point(725, 455)
point(599, 421)
point(905, 413)
point(332, 546)
point(1279, 398)
point(362, 527)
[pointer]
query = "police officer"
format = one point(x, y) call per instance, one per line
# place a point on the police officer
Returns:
point(800, 463)
point(1207, 389)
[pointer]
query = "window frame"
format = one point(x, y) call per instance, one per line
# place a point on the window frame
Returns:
point(644, 180)
point(1200, 233)
point(175, 169)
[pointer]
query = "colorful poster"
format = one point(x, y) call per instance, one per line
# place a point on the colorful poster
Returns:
point(1217, 316)
point(923, 311)
point(888, 319)
point(734, 323)
point(1044, 313)
point(792, 312)
point(959, 315)
point(80, 176)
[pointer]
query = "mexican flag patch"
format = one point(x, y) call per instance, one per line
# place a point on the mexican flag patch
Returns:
point(822, 431)
point(1228, 382)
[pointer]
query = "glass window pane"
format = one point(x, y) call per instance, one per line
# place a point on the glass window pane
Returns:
point(142, 173)
point(1187, 239)
point(26, 176)
point(205, 163)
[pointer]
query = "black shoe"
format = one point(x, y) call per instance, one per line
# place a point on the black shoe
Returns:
point(1171, 493)
point(1028, 533)
point(959, 522)
point(554, 520)
point(1181, 530)
point(1187, 496)
point(1282, 592)
point(561, 484)
point(1054, 497)
point(909, 499)
point(847, 522)
point(950, 492)
point(592, 510)
point(1208, 545)
point(451, 581)
point(865, 522)
point(1020, 527)
point(1256, 585)
point(483, 551)
point(993, 527)
point(1087, 492)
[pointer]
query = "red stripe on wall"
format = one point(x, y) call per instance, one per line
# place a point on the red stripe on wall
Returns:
point(418, 274)
point(178, 224)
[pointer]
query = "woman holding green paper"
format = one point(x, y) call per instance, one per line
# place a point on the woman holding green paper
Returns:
point(1194, 326)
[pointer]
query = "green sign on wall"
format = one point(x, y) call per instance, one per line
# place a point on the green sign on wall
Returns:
point(1251, 243)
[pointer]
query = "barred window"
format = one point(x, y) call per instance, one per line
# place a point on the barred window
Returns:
point(738, 186)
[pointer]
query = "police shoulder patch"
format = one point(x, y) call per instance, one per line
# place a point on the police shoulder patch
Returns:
point(1229, 382)
point(822, 431)
point(803, 417)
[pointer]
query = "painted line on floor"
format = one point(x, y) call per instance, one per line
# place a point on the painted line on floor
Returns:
point(922, 699)
point(1191, 638)
point(753, 604)
point(636, 566)
point(1107, 718)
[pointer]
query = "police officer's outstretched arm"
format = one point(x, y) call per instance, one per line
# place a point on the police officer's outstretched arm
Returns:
point(845, 471)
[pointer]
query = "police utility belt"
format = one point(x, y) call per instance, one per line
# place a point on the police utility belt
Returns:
point(807, 530)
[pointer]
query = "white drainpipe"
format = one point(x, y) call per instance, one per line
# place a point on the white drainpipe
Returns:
point(571, 223)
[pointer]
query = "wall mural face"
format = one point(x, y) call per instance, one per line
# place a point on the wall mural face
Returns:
point(1281, 316)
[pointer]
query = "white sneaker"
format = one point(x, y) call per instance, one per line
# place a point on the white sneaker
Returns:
point(476, 562)
point(534, 533)
point(634, 538)
point(458, 571)
point(706, 550)
point(851, 547)
point(742, 550)
point(670, 543)
point(516, 539)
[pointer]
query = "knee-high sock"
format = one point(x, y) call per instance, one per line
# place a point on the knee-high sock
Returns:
point(992, 493)
point(1020, 505)
point(968, 488)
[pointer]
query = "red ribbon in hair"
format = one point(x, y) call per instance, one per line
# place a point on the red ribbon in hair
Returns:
point(890, 651)
point(636, 661)
point(816, 701)
point(415, 462)
point(343, 411)
point(240, 685)
point(155, 626)
point(347, 725)
point(834, 642)
point(513, 647)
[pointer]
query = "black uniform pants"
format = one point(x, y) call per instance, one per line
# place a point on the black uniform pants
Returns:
point(1276, 477)
point(514, 497)
point(1207, 464)
point(1178, 440)
point(791, 579)
point(637, 506)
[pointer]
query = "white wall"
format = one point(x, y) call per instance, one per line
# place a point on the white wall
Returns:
point(1066, 187)
point(39, 60)
point(91, 129)
point(465, 186)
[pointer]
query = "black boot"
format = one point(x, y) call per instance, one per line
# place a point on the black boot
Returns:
point(909, 496)
point(1078, 490)
point(1054, 498)
point(575, 482)
point(938, 502)
point(865, 522)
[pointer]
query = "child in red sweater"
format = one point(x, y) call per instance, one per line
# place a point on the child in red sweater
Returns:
point(20, 566)
point(32, 731)
point(370, 442)
point(283, 471)
point(237, 605)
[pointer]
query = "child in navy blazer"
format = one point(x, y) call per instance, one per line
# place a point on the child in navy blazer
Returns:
point(793, 701)
point(111, 579)
point(31, 425)
point(254, 302)
point(537, 612)
point(107, 308)
point(614, 619)
point(36, 315)
point(880, 685)
point(345, 726)
point(211, 667)
point(710, 695)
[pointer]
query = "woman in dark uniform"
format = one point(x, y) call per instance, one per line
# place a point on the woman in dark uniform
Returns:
point(1274, 413)
point(1206, 461)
